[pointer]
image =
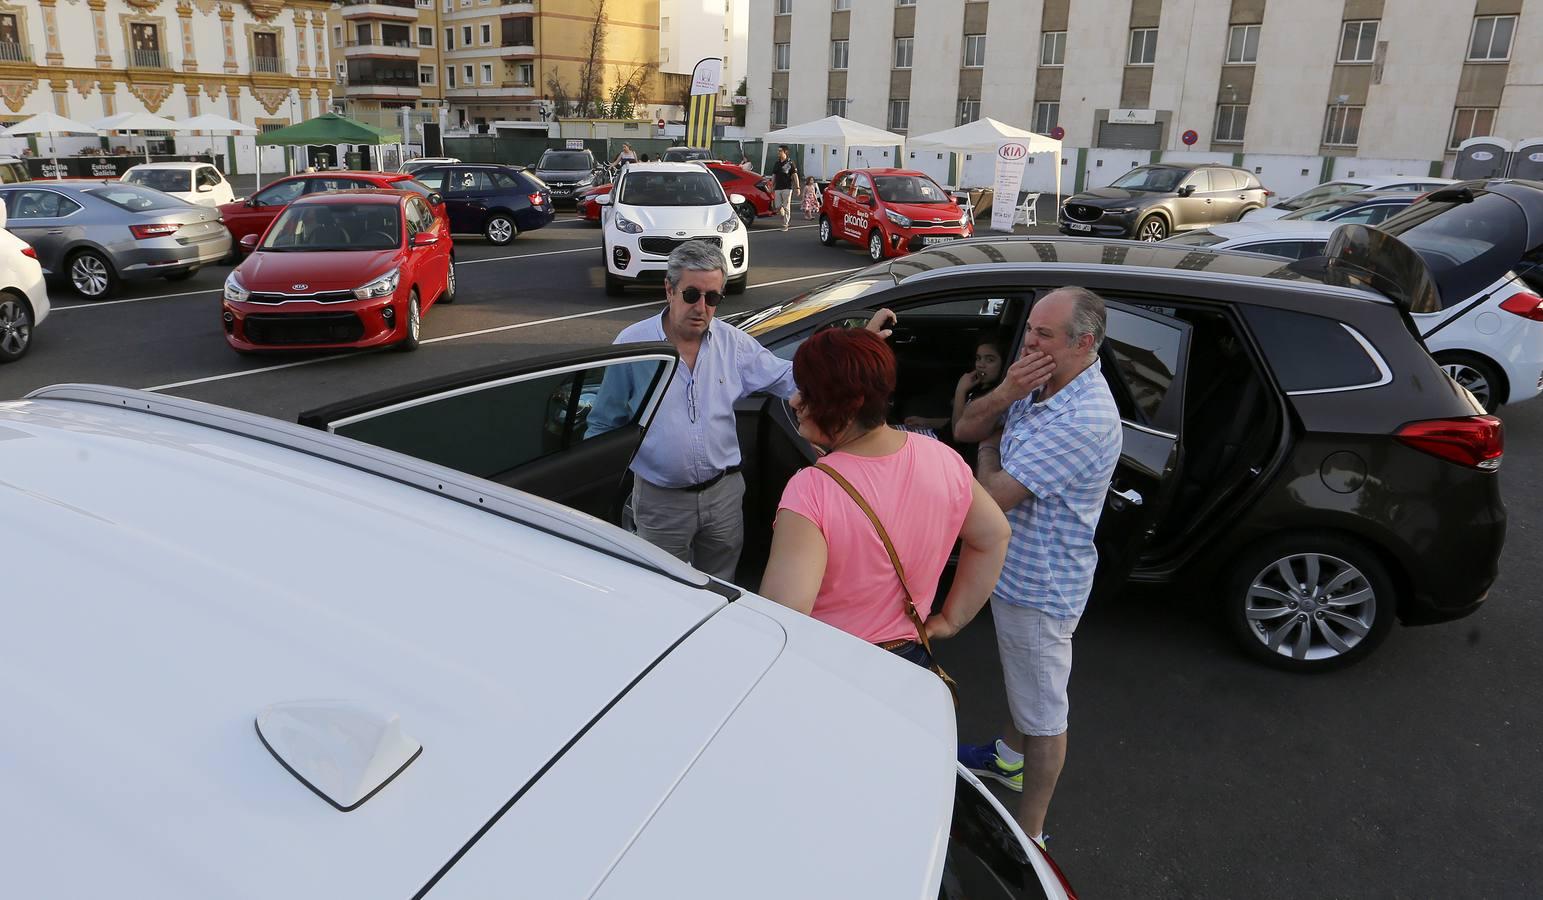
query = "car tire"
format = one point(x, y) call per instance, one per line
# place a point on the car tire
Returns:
point(15, 327)
point(737, 285)
point(1151, 228)
point(614, 287)
point(746, 215)
point(180, 276)
point(500, 229)
point(414, 324)
point(827, 234)
point(449, 295)
point(91, 275)
point(1481, 377)
point(1340, 594)
point(875, 246)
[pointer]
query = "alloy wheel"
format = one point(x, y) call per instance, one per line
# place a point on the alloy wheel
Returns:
point(1310, 606)
point(824, 230)
point(500, 230)
point(88, 274)
point(450, 281)
point(1472, 379)
point(1153, 230)
point(875, 247)
point(414, 320)
point(15, 328)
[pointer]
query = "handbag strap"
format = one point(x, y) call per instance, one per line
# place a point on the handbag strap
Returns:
point(889, 547)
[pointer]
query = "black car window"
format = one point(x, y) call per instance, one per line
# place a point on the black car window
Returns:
point(280, 194)
point(433, 179)
point(1287, 249)
point(470, 181)
point(335, 226)
point(566, 160)
point(503, 181)
point(161, 179)
point(134, 198)
point(38, 205)
point(1146, 355)
point(1370, 214)
point(13, 173)
point(1337, 361)
point(723, 177)
point(1161, 179)
point(844, 186)
point(208, 177)
point(337, 184)
point(1466, 246)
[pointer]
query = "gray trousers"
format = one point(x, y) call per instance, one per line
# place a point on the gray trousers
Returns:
point(703, 528)
point(785, 206)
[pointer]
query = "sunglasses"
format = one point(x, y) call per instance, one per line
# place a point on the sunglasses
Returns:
point(691, 295)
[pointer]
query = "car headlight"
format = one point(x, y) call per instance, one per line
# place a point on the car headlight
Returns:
point(1120, 210)
point(627, 226)
point(897, 218)
point(235, 291)
point(728, 225)
point(964, 220)
point(384, 286)
point(586, 180)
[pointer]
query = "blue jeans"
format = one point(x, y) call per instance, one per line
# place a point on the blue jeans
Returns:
point(914, 652)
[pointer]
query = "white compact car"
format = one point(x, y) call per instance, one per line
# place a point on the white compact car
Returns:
point(655, 208)
point(23, 294)
point(277, 662)
point(200, 184)
point(1331, 189)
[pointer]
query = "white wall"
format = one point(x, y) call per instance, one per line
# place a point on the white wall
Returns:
point(871, 53)
point(1521, 108)
point(1104, 166)
point(1012, 57)
point(1097, 34)
point(939, 50)
point(1418, 85)
point(809, 80)
point(1290, 98)
point(758, 60)
point(1186, 81)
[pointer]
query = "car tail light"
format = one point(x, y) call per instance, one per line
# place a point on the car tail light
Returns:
point(26, 250)
point(536, 199)
point(1476, 441)
point(1528, 306)
point(160, 229)
point(1268, 192)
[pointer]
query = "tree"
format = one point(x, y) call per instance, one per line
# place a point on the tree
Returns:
point(558, 91)
point(591, 75)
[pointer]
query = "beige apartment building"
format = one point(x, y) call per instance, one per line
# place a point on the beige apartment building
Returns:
point(470, 63)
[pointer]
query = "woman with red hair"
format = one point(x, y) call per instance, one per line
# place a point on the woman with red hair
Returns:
point(877, 488)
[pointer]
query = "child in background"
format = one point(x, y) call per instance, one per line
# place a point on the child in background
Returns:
point(811, 198)
point(985, 375)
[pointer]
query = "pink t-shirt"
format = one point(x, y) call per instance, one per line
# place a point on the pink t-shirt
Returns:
point(921, 493)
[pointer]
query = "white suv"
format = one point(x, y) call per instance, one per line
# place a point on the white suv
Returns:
point(655, 208)
point(23, 294)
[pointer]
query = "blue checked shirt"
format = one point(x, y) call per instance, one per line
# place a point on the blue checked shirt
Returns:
point(694, 435)
point(1064, 451)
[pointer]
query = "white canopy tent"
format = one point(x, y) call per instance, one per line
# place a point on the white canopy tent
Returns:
point(984, 136)
point(51, 124)
point(140, 122)
point(831, 131)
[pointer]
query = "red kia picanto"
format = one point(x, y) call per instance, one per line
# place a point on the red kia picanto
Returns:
point(890, 212)
point(340, 270)
point(254, 214)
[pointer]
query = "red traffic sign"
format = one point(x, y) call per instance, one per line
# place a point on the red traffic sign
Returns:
point(1190, 137)
point(1058, 132)
point(659, 124)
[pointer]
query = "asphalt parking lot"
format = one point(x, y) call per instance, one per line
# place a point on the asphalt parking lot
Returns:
point(1192, 771)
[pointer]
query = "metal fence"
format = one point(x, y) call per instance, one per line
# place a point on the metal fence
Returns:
point(525, 151)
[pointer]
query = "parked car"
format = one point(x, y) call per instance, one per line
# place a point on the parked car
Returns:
point(1331, 189)
point(95, 235)
point(655, 208)
point(1314, 496)
point(686, 154)
point(13, 170)
point(23, 294)
point(760, 200)
point(490, 655)
point(1359, 207)
point(567, 172)
point(1285, 238)
point(1149, 203)
point(890, 212)
point(254, 214)
point(423, 162)
point(497, 202)
point(200, 184)
point(587, 202)
point(342, 269)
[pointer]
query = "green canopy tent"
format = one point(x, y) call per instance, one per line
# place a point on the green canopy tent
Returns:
point(328, 128)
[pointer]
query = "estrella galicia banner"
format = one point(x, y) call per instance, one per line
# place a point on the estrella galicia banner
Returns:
point(706, 78)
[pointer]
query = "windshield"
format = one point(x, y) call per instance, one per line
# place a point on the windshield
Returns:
point(683, 154)
point(566, 160)
point(817, 300)
point(411, 184)
point(1466, 246)
point(336, 226)
point(1320, 211)
point(908, 189)
point(161, 179)
point(136, 199)
point(670, 189)
point(1319, 194)
point(1147, 178)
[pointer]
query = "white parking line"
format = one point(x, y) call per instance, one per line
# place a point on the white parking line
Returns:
point(467, 334)
point(132, 300)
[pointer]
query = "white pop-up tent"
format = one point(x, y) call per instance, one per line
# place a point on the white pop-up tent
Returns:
point(831, 131)
point(139, 123)
point(984, 136)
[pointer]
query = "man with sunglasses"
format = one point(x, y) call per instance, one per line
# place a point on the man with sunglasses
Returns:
point(687, 495)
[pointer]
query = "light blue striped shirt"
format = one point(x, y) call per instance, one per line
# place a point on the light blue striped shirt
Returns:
point(1064, 450)
point(694, 435)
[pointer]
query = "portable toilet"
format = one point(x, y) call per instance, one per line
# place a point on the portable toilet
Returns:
point(1527, 161)
point(1481, 157)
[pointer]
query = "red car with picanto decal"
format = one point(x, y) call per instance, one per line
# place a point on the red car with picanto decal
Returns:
point(891, 212)
point(736, 179)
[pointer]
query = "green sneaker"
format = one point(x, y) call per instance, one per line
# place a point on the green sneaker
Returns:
point(982, 759)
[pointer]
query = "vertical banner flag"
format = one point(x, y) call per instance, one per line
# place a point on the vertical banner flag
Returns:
point(1011, 157)
point(705, 81)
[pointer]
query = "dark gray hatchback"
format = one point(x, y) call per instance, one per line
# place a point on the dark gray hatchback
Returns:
point(1290, 449)
point(1150, 203)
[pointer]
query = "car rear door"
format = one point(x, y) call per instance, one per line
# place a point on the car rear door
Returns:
point(466, 192)
point(561, 427)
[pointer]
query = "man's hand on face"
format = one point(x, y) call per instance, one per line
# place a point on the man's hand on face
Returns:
point(880, 322)
point(1029, 372)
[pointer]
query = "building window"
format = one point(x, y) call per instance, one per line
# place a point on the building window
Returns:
point(836, 107)
point(784, 7)
point(664, 24)
point(1470, 122)
point(664, 54)
point(425, 4)
point(1230, 122)
point(145, 47)
point(969, 111)
point(337, 35)
point(779, 112)
point(905, 2)
point(426, 75)
point(449, 76)
point(1358, 42)
point(487, 73)
point(838, 54)
point(1243, 44)
point(1143, 47)
point(465, 35)
point(487, 34)
point(342, 71)
point(782, 57)
point(839, 5)
point(903, 49)
point(449, 38)
point(468, 74)
point(525, 74)
point(1052, 48)
point(974, 51)
point(1046, 116)
point(1491, 40)
point(1343, 126)
point(425, 37)
point(899, 115)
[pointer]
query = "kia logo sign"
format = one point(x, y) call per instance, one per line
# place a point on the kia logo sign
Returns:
point(298, 287)
point(1013, 151)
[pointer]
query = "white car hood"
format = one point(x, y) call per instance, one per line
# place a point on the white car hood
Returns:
point(671, 219)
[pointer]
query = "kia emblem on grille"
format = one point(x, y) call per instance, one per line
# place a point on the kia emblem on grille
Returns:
point(299, 287)
point(680, 234)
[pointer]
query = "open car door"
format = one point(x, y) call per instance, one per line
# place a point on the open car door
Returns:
point(561, 427)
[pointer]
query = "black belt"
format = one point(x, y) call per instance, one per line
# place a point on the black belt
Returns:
point(702, 486)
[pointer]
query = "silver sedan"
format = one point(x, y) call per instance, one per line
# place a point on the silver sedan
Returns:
point(95, 235)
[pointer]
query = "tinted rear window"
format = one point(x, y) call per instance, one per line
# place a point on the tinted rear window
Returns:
point(136, 199)
point(1466, 246)
point(1337, 359)
point(161, 179)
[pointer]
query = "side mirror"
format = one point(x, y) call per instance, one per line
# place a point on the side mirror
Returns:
point(425, 239)
point(868, 200)
point(252, 201)
point(205, 188)
point(1186, 190)
point(248, 243)
point(737, 199)
point(436, 198)
point(603, 200)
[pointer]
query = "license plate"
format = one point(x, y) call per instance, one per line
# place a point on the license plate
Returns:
point(936, 239)
point(1078, 226)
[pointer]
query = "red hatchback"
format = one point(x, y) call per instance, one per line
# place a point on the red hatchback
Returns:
point(254, 214)
point(890, 212)
point(756, 189)
point(340, 270)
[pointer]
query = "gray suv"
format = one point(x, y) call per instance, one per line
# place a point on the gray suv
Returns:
point(1151, 202)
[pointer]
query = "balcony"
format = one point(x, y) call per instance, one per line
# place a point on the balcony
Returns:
point(405, 10)
point(517, 51)
point(517, 7)
point(520, 89)
point(11, 52)
point(149, 59)
point(269, 65)
point(381, 48)
point(407, 90)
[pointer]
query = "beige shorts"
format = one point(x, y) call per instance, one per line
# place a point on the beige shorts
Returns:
point(1036, 651)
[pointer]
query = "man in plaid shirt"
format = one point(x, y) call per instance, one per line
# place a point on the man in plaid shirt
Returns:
point(1049, 468)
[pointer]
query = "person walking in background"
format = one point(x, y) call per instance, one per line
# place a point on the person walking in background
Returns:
point(625, 156)
point(1049, 467)
point(811, 198)
point(785, 183)
point(828, 559)
point(745, 163)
